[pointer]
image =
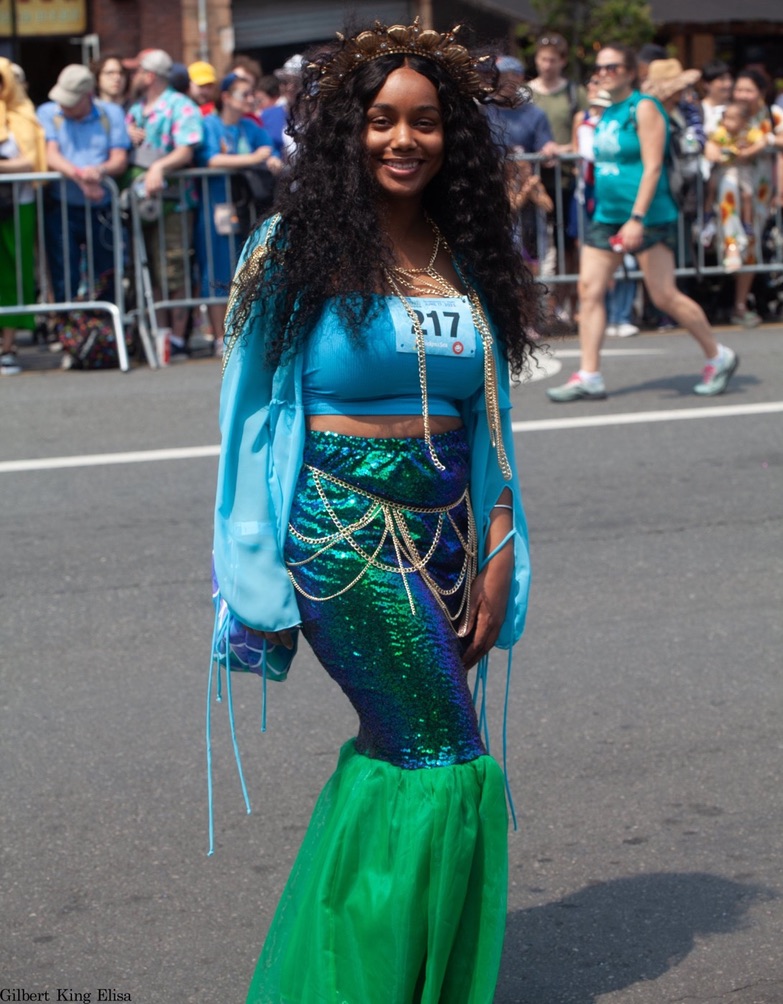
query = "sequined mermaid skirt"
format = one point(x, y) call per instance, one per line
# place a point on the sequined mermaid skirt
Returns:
point(398, 893)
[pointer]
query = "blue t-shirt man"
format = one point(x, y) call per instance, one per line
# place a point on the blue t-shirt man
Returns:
point(274, 119)
point(85, 142)
point(526, 126)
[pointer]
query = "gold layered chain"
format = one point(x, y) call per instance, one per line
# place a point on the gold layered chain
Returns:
point(395, 527)
point(428, 281)
point(421, 356)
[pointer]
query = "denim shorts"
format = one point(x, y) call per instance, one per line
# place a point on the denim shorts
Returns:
point(598, 235)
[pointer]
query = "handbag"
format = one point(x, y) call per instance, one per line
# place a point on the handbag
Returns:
point(241, 650)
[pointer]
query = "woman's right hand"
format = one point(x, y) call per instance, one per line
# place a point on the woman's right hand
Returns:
point(137, 134)
point(261, 155)
point(632, 233)
point(284, 638)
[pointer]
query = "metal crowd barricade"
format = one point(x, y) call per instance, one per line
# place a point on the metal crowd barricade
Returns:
point(188, 193)
point(75, 299)
point(200, 190)
point(691, 258)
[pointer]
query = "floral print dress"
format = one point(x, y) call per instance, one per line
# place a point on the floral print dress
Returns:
point(732, 232)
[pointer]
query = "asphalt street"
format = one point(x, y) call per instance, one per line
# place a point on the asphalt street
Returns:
point(645, 737)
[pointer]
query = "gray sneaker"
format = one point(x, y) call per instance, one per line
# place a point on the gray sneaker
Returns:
point(715, 379)
point(575, 389)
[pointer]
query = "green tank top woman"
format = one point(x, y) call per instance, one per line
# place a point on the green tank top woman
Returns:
point(618, 166)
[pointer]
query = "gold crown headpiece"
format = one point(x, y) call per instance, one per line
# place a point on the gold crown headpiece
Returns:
point(412, 40)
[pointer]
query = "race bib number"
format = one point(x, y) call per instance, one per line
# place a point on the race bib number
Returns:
point(447, 324)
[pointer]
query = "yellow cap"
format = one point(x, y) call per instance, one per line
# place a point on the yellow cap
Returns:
point(202, 73)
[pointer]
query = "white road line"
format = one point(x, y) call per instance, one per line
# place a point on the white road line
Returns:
point(106, 459)
point(575, 353)
point(536, 425)
point(643, 417)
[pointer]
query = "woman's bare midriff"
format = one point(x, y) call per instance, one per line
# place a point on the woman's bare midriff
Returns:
point(382, 426)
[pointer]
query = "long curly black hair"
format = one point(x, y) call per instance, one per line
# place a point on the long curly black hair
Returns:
point(330, 242)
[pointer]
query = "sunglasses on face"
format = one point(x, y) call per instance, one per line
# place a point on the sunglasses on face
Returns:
point(556, 41)
point(608, 67)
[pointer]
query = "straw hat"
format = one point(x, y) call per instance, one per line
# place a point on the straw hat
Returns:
point(666, 77)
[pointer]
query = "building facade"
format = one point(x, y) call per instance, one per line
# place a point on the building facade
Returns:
point(45, 35)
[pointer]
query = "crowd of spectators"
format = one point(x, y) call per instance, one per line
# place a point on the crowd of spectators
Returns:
point(140, 120)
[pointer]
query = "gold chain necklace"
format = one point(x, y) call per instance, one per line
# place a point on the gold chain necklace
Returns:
point(398, 277)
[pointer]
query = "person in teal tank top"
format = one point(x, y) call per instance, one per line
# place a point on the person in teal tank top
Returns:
point(619, 166)
point(635, 213)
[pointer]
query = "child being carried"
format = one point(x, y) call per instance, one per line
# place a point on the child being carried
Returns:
point(738, 144)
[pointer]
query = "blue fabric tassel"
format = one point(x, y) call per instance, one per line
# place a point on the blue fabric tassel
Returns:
point(237, 649)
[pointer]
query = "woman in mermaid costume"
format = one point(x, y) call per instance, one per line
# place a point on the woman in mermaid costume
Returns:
point(368, 497)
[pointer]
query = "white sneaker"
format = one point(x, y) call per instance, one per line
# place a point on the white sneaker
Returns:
point(576, 389)
point(611, 331)
point(626, 330)
point(715, 378)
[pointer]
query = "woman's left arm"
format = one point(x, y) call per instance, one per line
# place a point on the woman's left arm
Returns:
point(752, 150)
point(491, 587)
point(651, 127)
point(240, 161)
point(16, 165)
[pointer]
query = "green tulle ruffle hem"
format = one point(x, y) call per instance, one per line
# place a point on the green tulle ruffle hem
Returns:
point(398, 893)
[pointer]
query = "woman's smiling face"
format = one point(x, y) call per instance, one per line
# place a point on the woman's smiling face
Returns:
point(403, 134)
point(746, 91)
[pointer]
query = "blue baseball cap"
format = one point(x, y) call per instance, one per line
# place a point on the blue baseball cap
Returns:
point(509, 64)
point(228, 82)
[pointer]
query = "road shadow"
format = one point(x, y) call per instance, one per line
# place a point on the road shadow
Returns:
point(613, 934)
point(681, 386)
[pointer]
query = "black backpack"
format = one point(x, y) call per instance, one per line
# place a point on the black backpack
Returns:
point(681, 163)
point(252, 192)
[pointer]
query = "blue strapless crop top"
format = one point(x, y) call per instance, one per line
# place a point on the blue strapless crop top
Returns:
point(380, 374)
